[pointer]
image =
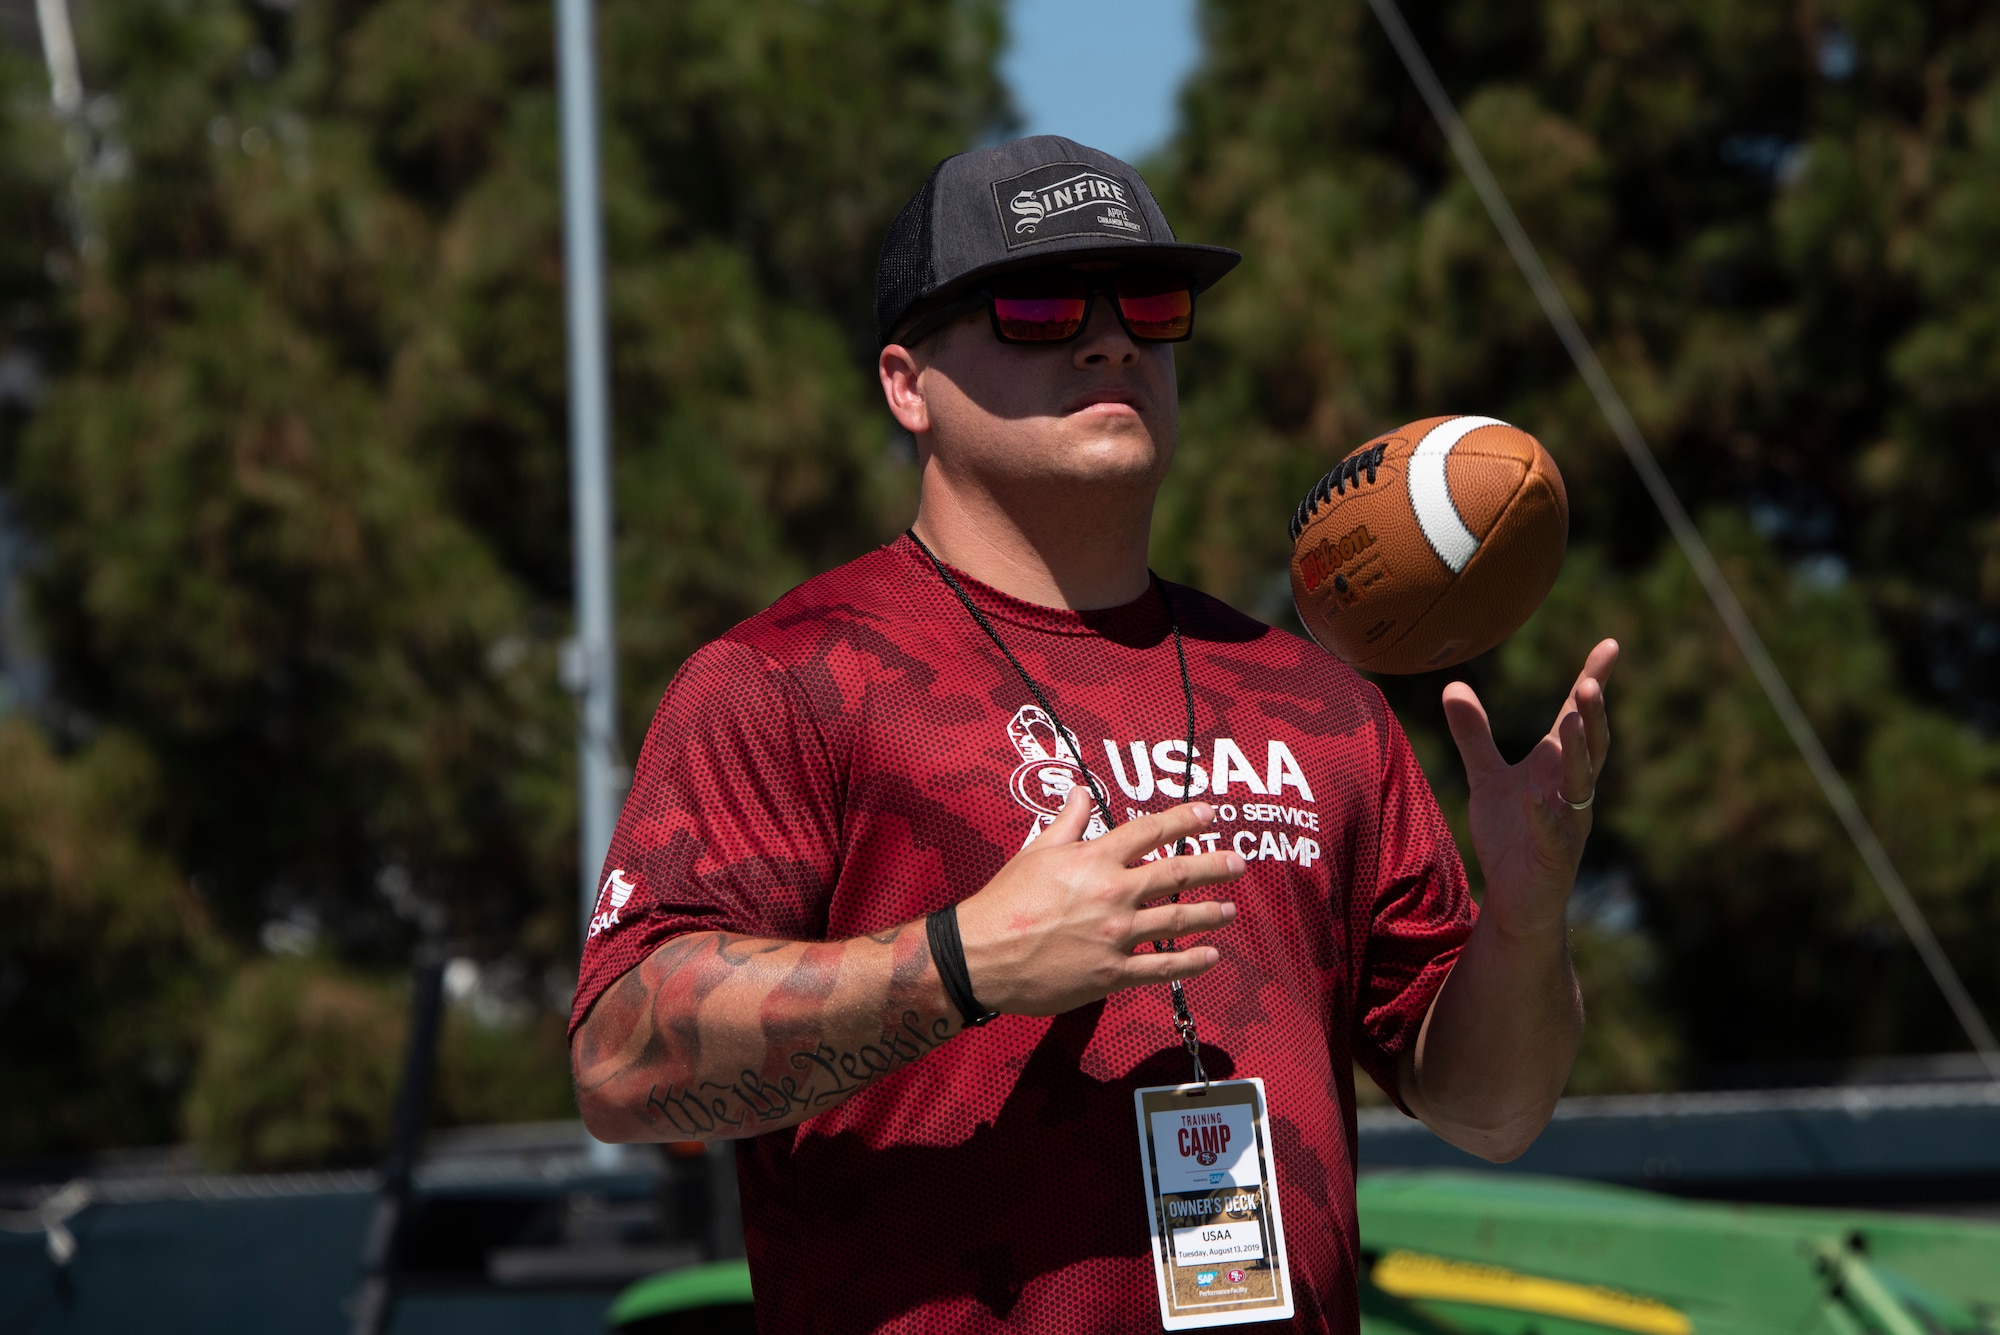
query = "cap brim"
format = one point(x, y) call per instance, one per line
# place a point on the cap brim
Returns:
point(1206, 265)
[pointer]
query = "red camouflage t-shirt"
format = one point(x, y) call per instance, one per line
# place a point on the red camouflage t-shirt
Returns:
point(860, 754)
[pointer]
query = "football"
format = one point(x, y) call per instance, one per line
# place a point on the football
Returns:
point(1429, 545)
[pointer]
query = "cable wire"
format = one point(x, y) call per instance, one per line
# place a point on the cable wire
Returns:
point(1692, 545)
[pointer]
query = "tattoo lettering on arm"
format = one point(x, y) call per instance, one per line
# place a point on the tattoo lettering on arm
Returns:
point(821, 1078)
point(717, 1036)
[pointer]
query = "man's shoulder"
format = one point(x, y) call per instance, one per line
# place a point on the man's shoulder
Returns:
point(864, 597)
point(802, 656)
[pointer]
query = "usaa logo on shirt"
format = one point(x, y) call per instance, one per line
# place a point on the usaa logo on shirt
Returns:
point(1275, 819)
point(617, 890)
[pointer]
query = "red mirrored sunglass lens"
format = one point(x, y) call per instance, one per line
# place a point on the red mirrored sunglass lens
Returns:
point(1161, 315)
point(1049, 305)
point(1039, 319)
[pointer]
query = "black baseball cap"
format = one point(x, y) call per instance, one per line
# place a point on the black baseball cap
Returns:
point(1021, 204)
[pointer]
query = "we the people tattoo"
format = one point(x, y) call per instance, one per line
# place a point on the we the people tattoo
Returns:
point(656, 1030)
point(824, 1077)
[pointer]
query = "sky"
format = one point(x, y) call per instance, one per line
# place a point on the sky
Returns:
point(1104, 72)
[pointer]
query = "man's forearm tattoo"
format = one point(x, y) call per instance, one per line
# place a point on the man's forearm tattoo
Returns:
point(820, 1077)
point(649, 1027)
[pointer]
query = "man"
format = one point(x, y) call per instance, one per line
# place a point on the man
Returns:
point(951, 780)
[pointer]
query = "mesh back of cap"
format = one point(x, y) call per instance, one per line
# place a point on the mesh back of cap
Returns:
point(904, 271)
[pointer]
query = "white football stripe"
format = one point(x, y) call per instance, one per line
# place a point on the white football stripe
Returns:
point(1430, 494)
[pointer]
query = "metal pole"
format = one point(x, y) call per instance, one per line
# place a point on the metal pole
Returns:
point(59, 50)
point(386, 1235)
point(590, 666)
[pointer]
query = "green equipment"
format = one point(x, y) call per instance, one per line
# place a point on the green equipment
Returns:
point(712, 1299)
point(1509, 1255)
point(1467, 1253)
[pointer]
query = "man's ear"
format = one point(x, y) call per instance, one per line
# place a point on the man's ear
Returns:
point(902, 386)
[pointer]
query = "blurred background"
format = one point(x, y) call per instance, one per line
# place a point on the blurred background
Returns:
point(285, 556)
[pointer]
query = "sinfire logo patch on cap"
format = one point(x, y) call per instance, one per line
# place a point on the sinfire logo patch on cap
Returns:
point(1062, 199)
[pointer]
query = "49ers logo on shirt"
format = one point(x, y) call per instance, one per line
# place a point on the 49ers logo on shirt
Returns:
point(1048, 770)
point(617, 889)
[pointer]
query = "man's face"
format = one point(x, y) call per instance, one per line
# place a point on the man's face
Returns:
point(1098, 412)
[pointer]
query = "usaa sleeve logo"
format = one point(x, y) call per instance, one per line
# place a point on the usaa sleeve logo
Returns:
point(611, 898)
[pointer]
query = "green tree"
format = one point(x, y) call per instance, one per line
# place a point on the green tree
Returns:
point(302, 1057)
point(299, 484)
point(105, 952)
point(1776, 221)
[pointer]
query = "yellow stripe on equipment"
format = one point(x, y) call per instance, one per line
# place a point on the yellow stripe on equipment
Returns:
point(1414, 1275)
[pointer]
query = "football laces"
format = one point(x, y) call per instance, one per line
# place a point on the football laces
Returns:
point(1343, 474)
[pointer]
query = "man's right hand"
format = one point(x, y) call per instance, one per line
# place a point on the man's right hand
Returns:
point(1058, 927)
point(714, 1036)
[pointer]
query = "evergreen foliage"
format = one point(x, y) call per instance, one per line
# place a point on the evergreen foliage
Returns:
point(300, 481)
point(294, 470)
point(104, 953)
point(1777, 223)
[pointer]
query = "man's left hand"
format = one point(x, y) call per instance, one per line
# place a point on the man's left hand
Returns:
point(1527, 829)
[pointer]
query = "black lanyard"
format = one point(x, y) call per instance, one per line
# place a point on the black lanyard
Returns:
point(1183, 1016)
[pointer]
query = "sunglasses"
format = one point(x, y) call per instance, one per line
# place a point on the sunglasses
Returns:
point(1054, 305)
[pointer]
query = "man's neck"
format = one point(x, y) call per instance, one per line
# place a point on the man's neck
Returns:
point(1055, 551)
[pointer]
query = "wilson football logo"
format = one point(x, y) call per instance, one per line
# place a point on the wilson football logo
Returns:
point(1329, 556)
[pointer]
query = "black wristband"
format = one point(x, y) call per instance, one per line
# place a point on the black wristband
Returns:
point(948, 954)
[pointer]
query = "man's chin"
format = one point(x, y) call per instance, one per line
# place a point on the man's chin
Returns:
point(1115, 444)
point(1118, 463)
